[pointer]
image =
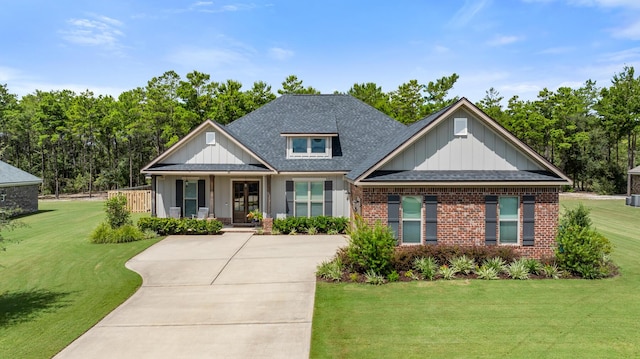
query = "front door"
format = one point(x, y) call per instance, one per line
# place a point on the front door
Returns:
point(246, 198)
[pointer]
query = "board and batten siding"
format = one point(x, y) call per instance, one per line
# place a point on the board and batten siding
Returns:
point(197, 151)
point(339, 194)
point(480, 149)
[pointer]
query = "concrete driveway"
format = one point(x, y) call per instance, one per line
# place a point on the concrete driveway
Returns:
point(229, 296)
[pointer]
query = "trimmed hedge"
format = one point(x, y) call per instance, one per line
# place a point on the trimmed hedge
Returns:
point(404, 256)
point(170, 226)
point(322, 224)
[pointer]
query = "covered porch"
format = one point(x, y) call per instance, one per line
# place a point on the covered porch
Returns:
point(228, 196)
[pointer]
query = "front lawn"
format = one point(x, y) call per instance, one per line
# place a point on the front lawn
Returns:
point(54, 284)
point(492, 319)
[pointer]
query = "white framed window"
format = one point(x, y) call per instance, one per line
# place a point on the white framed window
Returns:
point(411, 219)
point(308, 198)
point(309, 147)
point(460, 126)
point(509, 218)
point(211, 138)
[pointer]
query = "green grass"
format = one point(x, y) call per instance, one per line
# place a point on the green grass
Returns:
point(54, 284)
point(492, 319)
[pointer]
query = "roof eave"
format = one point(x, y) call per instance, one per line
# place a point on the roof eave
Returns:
point(464, 183)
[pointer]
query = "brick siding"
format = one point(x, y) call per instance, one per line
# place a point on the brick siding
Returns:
point(23, 198)
point(461, 213)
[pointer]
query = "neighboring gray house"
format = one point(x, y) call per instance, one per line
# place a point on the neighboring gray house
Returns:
point(18, 189)
point(456, 177)
point(633, 181)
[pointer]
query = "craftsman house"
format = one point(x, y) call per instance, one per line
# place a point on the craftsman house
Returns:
point(455, 177)
point(18, 190)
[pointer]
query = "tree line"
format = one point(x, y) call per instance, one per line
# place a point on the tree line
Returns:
point(85, 143)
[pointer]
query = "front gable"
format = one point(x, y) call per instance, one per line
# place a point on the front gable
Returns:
point(480, 149)
point(220, 149)
point(209, 145)
point(459, 144)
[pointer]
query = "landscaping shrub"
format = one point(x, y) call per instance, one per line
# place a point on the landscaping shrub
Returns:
point(428, 267)
point(404, 256)
point(371, 248)
point(171, 226)
point(463, 264)
point(322, 224)
point(123, 234)
point(331, 270)
point(518, 270)
point(487, 272)
point(581, 249)
point(116, 210)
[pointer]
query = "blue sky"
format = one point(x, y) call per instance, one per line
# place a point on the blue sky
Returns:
point(517, 47)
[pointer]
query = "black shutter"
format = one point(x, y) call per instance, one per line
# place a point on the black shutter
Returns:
point(431, 220)
point(201, 194)
point(288, 186)
point(528, 220)
point(490, 220)
point(328, 198)
point(393, 213)
point(179, 196)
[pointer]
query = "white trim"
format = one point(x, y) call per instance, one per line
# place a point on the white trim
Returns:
point(193, 134)
point(481, 116)
point(460, 127)
point(19, 184)
point(517, 220)
point(210, 138)
point(309, 201)
point(421, 220)
point(308, 153)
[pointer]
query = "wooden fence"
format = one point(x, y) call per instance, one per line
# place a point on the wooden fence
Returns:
point(137, 200)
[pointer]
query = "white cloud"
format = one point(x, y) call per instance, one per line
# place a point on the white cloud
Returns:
point(621, 56)
point(503, 40)
point(557, 50)
point(631, 31)
point(208, 58)
point(439, 49)
point(523, 88)
point(606, 3)
point(96, 30)
point(467, 12)
point(279, 53)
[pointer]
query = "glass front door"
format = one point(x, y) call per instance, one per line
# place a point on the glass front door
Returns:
point(246, 198)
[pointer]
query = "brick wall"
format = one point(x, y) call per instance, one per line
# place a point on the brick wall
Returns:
point(25, 198)
point(461, 213)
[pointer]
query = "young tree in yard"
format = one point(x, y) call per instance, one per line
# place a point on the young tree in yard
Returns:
point(7, 223)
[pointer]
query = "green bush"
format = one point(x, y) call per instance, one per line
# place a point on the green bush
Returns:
point(404, 256)
point(123, 234)
point(371, 248)
point(487, 272)
point(322, 224)
point(117, 213)
point(582, 250)
point(171, 226)
point(428, 267)
point(330, 270)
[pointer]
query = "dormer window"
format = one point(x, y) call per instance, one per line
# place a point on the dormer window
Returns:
point(309, 147)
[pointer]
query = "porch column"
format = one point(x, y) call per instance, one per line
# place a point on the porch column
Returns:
point(268, 196)
point(212, 196)
point(154, 212)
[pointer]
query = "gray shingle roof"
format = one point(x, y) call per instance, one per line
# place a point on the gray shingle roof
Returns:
point(462, 176)
point(10, 175)
point(361, 130)
point(208, 167)
point(393, 141)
